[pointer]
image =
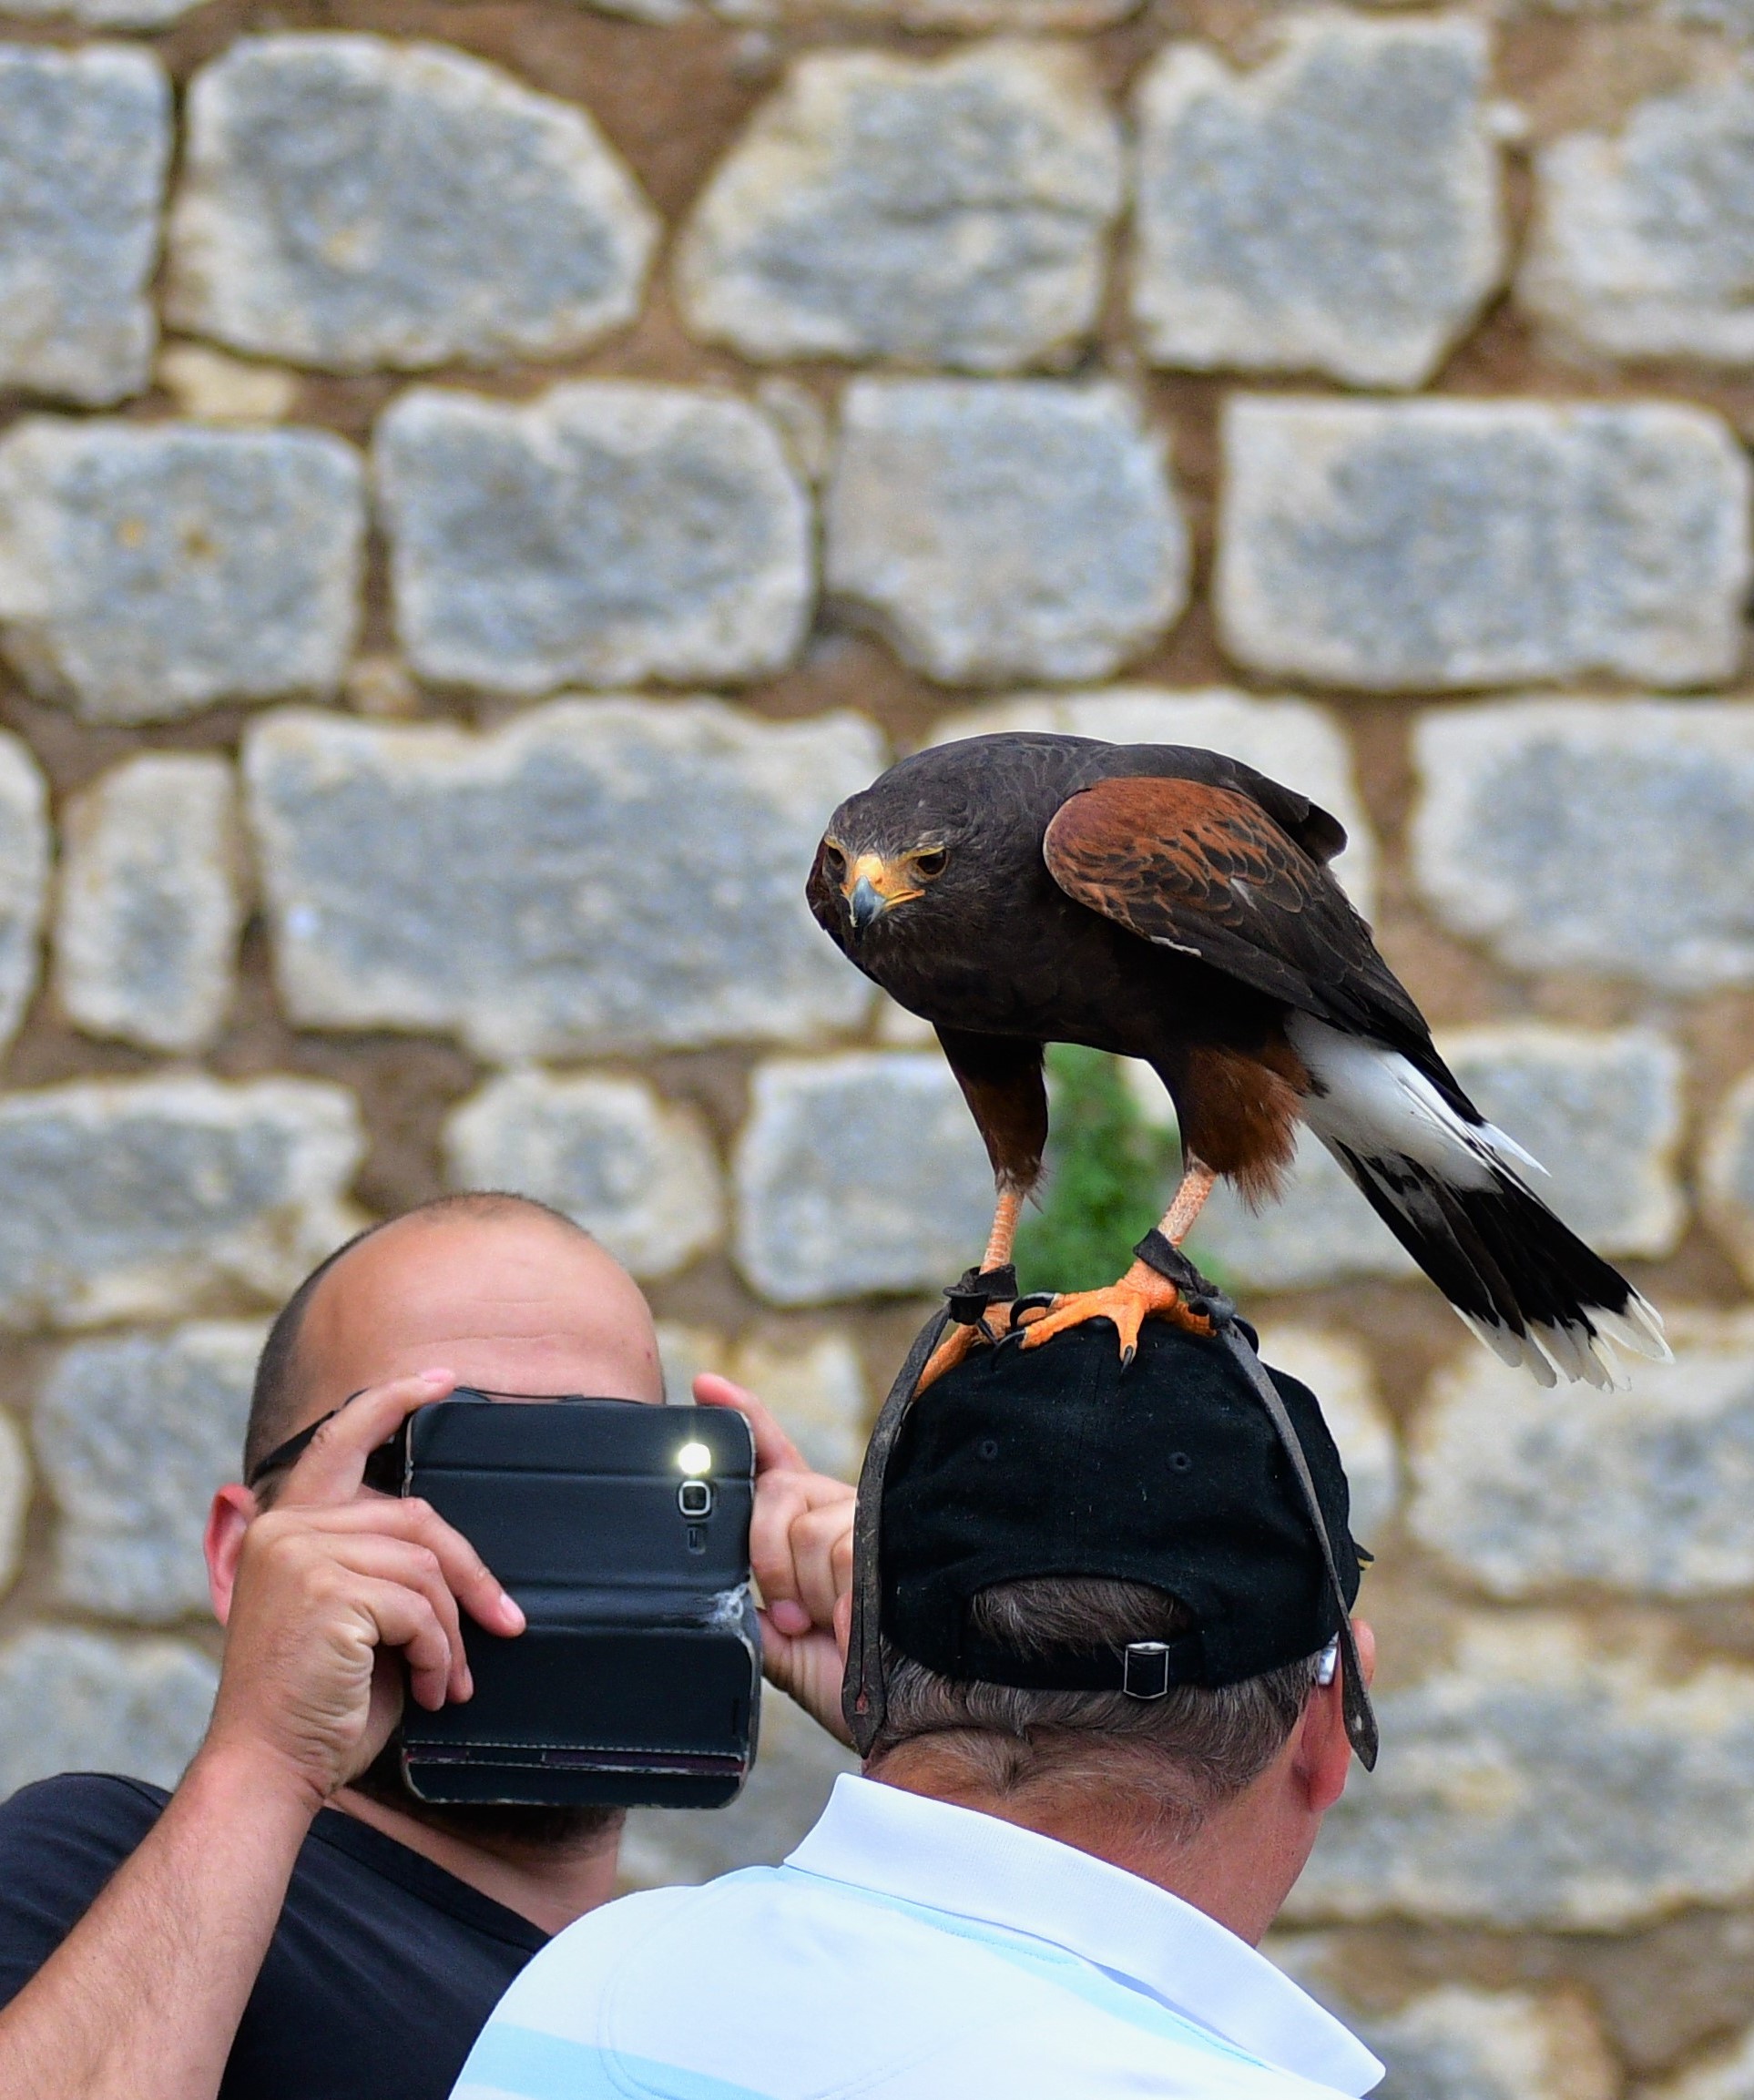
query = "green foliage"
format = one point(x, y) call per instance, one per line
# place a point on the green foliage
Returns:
point(1110, 1174)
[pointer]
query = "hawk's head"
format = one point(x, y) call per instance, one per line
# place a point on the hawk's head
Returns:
point(868, 882)
point(927, 850)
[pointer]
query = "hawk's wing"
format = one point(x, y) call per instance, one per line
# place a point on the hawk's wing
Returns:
point(1205, 870)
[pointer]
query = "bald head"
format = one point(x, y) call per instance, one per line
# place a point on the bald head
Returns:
point(507, 1294)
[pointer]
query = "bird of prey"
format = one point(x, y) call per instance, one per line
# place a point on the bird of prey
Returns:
point(1175, 905)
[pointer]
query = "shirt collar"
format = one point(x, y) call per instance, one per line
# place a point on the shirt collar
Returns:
point(973, 1866)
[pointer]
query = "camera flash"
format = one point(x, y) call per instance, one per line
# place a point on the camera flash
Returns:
point(694, 1458)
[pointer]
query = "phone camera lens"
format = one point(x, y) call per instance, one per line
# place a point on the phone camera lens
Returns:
point(694, 1498)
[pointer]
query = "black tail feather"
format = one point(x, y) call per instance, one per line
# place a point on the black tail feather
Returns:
point(1522, 1281)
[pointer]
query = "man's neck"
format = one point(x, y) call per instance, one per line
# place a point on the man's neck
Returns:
point(548, 1884)
point(1229, 1866)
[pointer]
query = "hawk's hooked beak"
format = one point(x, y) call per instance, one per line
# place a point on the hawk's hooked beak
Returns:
point(871, 886)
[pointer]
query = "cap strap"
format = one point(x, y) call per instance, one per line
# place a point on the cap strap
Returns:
point(1159, 1253)
point(977, 1288)
point(1143, 1670)
point(865, 1690)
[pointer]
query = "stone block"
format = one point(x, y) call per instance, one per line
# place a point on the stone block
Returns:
point(796, 1766)
point(134, 1433)
point(942, 212)
point(210, 387)
point(1001, 529)
point(1726, 2072)
point(1018, 17)
point(349, 201)
point(856, 1174)
point(1265, 237)
point(1290, 740)
point(1440, 544)
point(1459, 2041)
point(1600, 1111)
point(72, 1701)
point(1642, 244)
point(595, 877)
point(147, 1199)
point(85, 143)
point(148, 570)
point(1531, 1781)
point(609, 531)
point(635, 1171)
point(815, 1385)
point(145, 933)
point(103, 14)
point(23, 878)
point(1611, 836)
point(1727, 1174)
point(1337, 1371)
point(1649, 1491)
point(14, 1500)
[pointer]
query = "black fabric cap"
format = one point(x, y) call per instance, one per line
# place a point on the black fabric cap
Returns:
point(1057, 1461)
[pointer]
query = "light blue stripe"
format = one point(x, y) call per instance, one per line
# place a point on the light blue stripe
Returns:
point(1054, 1965)
point(536, 2066)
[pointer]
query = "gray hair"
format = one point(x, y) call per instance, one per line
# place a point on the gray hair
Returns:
point(1190, 1751)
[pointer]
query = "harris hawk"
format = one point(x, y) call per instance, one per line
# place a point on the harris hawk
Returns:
point(1172, 904)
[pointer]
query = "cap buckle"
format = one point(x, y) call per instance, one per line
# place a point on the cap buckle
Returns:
point(1145, 1669)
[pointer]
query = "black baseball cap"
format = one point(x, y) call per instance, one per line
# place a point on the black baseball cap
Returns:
point(1168, 1470)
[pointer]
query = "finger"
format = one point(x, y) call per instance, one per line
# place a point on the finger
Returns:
point(781, 1501)
point(467, 1576)
point(395, 1616)
point(333, 1465)
point(822, 1553)
point(810, 1672)
point(416, 1567)
point(774, 1449)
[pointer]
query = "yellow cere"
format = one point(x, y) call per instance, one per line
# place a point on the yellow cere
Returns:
point(694, 1458)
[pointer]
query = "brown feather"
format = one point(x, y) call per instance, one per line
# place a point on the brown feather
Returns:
point(1238, 1111)
point(1001, 1079)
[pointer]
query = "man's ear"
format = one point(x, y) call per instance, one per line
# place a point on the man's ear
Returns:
point(233, 1511)
point(1324, 1755)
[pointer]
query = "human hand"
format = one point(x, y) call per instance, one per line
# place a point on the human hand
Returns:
point(330, 1582)
point(800, 1549)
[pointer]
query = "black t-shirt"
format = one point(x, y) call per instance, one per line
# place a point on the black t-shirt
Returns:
point(381, 1973)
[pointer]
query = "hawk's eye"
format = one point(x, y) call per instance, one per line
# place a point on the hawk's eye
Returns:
point(834, 862)
point(931, 862)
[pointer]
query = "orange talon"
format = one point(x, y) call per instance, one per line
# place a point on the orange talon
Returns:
point(949, 1353)
point(1138, 1295)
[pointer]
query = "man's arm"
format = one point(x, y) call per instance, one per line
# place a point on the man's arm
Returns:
point(143, 1998)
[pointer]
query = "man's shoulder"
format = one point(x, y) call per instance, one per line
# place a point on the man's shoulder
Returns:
point(60, 1840)
point(100, 1810)
point(785, 1984)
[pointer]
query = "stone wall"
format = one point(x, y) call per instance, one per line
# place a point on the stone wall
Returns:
point(479, 479)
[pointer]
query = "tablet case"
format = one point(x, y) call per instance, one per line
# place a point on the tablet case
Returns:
point(623, 1530)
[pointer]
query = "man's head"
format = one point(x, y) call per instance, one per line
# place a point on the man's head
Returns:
point(512, 1296)
point(1047, 1512)
point(509, 1295)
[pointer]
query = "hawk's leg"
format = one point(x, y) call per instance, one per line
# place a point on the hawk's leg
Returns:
point(957, 1343)
point(1141, 1292)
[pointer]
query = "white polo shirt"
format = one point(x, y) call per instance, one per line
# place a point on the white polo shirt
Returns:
point(909, 1950)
